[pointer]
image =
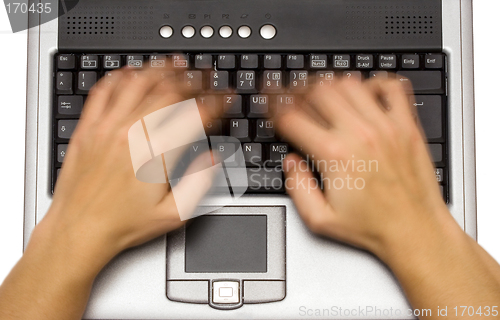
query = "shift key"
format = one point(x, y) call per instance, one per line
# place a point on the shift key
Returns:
point(424, 82)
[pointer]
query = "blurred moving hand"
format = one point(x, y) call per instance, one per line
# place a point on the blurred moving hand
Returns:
point(387, 201)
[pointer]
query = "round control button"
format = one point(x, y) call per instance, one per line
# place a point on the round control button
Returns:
point(225, 31)
point(188, 32)
point(244, 32)
point(267, 31)
point(166, 32)
point(207, 32)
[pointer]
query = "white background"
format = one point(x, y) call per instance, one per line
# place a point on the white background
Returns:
point(12, 133)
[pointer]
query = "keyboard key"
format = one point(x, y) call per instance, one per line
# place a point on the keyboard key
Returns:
point(193, 80)
point(233, 106)
point(252, 153)
point(429, 110)
point(64, 83)
point(272, 61)
point(264, 180)
point(364, 61)
point(226, 61)
point(158, 61)
point(264, 131)
point(318, 61)
point(245, 82)
point(65, 128)
point(277, 152)
point(325, 78)
point(341, 61)
point(423, 81)
point(436, 151)
point(439, 172)
point(434, 61)
point(238, 128)
point(295, 61)
point(226, 152)
point(135, 61)
point(66, 61)
point(90, 62)
point(298, 80)
point(61, 152)
point(285, 103)
point(272, 81)
point(203, 61)
point(69, 105)
point(387, 61)
point(356, 75)
point(410, 61)
point(180, 61)
point(210, 104)
point(379, 74)
point(259, 106)
point(112, 62)
point(86, 80)
point(213, 127)
point(219, 80)
point(249, 61)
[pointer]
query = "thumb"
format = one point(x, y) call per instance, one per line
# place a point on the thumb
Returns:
point(305, 192)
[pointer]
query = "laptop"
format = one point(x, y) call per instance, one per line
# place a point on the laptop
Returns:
point(260, 262)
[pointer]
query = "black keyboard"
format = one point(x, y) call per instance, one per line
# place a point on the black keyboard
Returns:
point(247, 85)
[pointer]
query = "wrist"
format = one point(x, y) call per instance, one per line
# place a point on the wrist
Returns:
point(78, 250)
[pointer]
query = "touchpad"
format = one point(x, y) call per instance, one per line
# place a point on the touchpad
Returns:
point(227, 243)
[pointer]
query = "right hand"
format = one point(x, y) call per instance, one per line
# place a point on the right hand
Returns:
point(370, 123)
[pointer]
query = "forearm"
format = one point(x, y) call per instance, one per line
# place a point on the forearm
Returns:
point(51, 281)
point(443, 267)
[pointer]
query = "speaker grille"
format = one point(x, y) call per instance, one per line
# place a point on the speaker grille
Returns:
point(365, 22)
point(124, 22)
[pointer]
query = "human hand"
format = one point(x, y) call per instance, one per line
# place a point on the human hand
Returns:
point(390, 194)
point(99, 207)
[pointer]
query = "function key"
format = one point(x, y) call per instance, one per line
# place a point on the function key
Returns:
point(364, 61)
point(66, 61)
point(387, 61)
point(226, 61)
point(410, 61)
point(272, 61)
point(318, 61)
point(341, 61)
point(158, 61)
point(135, 61)
point(112, 62)
point(180, 61)
point(433, 61)
point(90, 62)
point(249, 61)
point(203, 61)
point(295, 61)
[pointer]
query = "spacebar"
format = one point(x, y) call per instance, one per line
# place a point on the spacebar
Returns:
point(260, 180)
point(423, 81)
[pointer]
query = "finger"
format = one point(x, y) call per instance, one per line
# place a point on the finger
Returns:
point(99, 97)
point(311, 204)
point(333, 107)
point(300, 130)
point(363, 100)
point(393, 95)
point(134, 88)
point(191, 189)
